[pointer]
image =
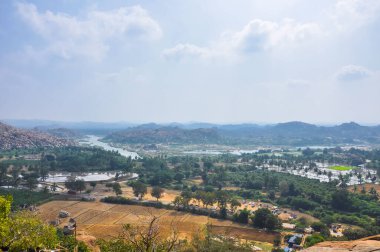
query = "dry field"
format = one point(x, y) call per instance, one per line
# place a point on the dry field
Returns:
point(104, 220)
point(168, 197)
point(366, 186)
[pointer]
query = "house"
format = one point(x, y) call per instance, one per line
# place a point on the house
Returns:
point(294, 240)
point(308, 230)
point(288, 226)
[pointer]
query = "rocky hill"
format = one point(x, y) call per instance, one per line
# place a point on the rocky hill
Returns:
point(368, 244)
point(286, 134)
point(151, 134)
point(12, 138)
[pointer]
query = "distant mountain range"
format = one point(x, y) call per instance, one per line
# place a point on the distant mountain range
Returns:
point(285, 134)
point(11, 138)
point(290, 133)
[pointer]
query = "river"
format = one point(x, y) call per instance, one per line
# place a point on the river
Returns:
point(95, 141)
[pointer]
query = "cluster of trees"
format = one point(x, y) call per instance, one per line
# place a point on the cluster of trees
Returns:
point(208, 197)
point(75, 185)
point(23, 231)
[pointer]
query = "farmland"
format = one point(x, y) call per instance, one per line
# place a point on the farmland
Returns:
point(103, 220)
point(341, 168)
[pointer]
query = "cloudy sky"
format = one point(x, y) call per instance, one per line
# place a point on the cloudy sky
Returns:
point(191, 60)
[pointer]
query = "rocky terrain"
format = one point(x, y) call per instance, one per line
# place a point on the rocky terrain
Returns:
point(12, 138)
point(368, 244)
point(285, 134)
point(148, 134)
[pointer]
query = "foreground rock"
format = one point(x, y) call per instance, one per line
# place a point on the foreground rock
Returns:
point(368, 244)
point(12, 138)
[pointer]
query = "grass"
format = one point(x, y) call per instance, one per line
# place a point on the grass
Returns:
point(341, 168)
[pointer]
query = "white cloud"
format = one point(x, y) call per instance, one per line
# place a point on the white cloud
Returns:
point(258, 35)
point(183, 50)
point(68, 36)
point(352, 73)
point(351, 14)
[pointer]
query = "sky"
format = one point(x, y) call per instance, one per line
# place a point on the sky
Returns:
point(214, 61)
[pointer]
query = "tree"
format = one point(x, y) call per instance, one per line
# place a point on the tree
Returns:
point(186, 197)
point(179, 176)
point(93, 184)
point(234, 204)
point(139, 189)
point(23, 231)
point(354, 234)
point(208, 199)
point(53, 187)
point(15, 176)
point(329, 175)
point(360, 177)
point(80, 185)
point(243, 216)
point(263, 218)
point(198, 195)
point(284, 188)
point(44, 172)
point(272, 195)
point(75, 185)
point(313, 239)
point(177, 201)
point(340, 200)
point(32, 183)
point(117, 189)
point(3, 172)
point(157, 192)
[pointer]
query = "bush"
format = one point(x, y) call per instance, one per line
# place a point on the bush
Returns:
point(313, 239)
point(242, 216)
point(354, 234)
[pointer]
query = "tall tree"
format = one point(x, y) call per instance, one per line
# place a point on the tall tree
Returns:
point(157, 192)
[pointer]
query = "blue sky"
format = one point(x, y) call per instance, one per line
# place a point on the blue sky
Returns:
point(214, 61)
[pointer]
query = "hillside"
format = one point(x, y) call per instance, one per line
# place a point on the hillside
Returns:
point(367, 244)
point(290, 134)
point(11, 138)
point(153, 133)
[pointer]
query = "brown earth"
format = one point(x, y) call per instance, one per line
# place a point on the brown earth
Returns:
point(368, 244)
point(366, 186)
point(103, 220)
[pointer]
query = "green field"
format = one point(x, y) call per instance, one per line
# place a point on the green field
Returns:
point(341, 168)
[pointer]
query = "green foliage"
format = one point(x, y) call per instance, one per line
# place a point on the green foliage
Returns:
point(340, 200)
point(5, 206)
point(75, 185)
point(263, 218)
point(139, 189)
point(157, 192)
point(313, 239)
point(22, 197)
point(69, 242)
point(354, 234)
point(242, 216)
point(117, 189)
point(22, 231)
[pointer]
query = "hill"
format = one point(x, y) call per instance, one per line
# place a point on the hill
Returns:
point(362, 245)
point(152, 133)
point(11, 138)
point(289, 134)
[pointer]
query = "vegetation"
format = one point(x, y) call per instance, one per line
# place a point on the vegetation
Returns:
point(21, 231)
point(341, 168)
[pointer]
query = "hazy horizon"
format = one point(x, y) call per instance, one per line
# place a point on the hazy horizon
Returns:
point(50, 122)
point(191, 61)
